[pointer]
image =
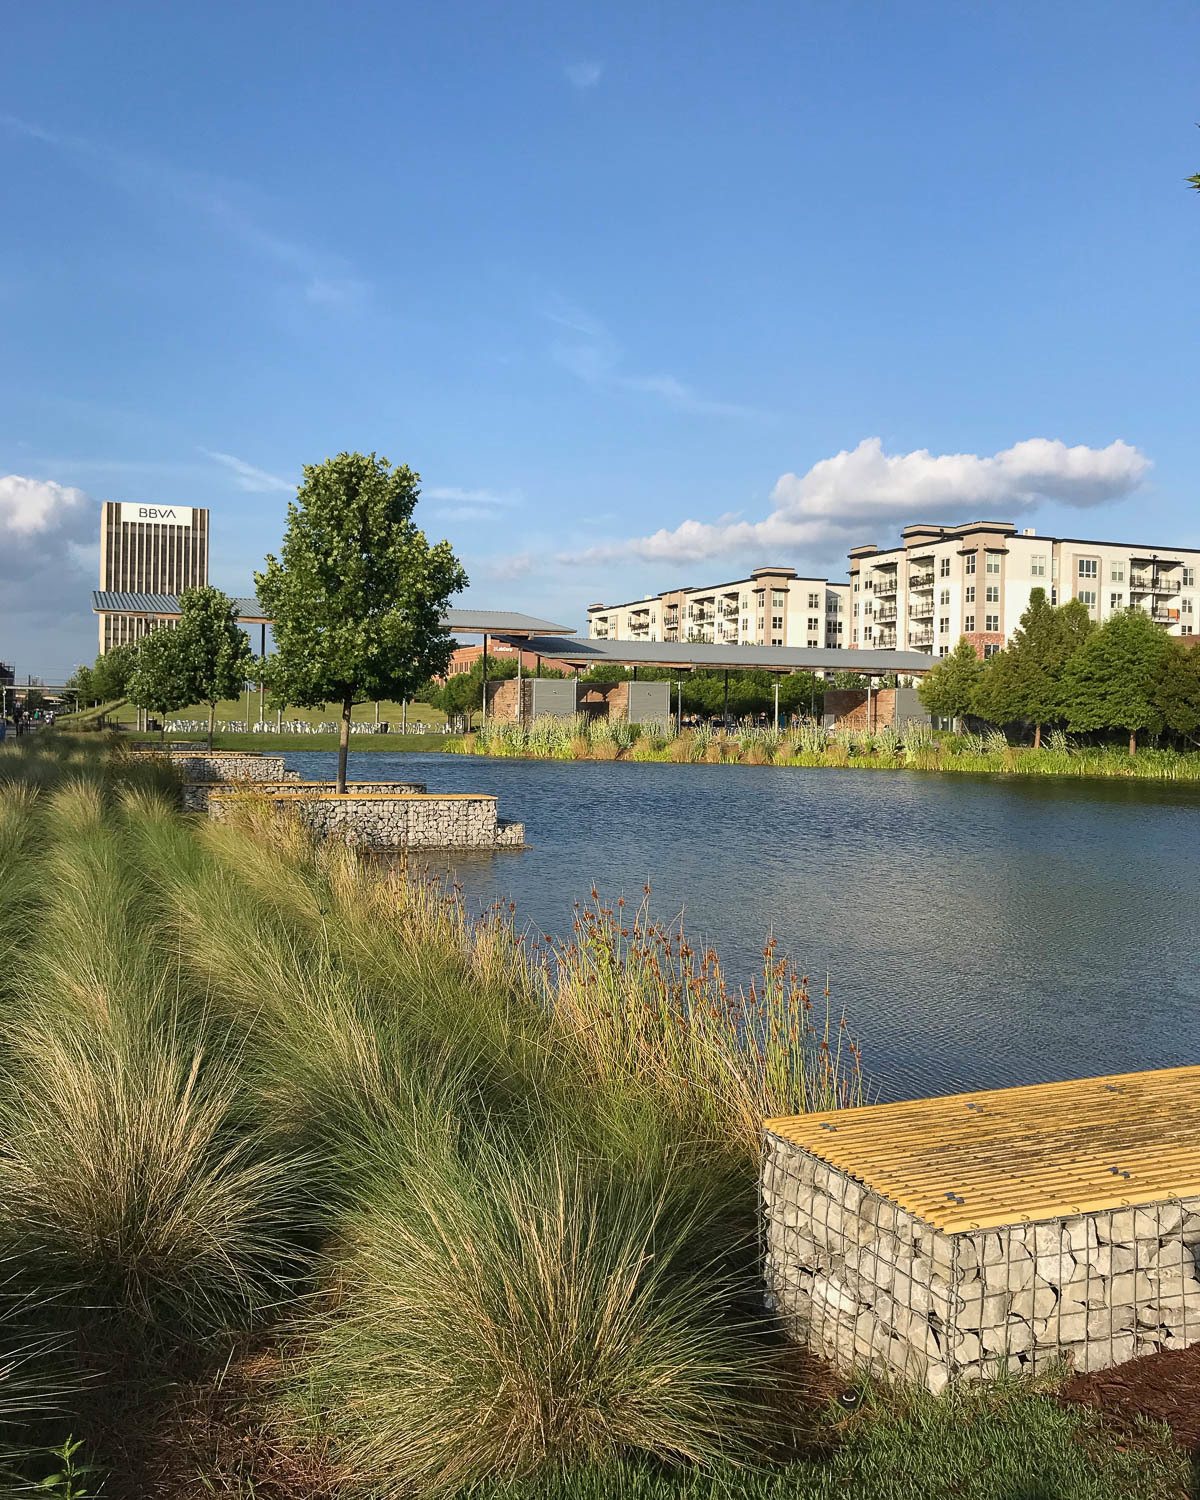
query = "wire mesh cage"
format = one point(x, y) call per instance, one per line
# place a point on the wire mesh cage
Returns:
point(955, 1292)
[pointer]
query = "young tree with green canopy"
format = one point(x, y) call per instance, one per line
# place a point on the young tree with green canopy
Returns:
point(1025, 681)
point(1110, 681)
point(357, 596)
point(81, 685)
point(158, 683)
point(462, 694)
point(1176, 689)
point(203, 659)
point(949, 689)
point(113, 669)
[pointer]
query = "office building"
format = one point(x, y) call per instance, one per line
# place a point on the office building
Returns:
point(148, 549)
point(946, 582)
point(774, 606)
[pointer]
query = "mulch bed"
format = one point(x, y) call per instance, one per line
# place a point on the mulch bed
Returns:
point(1159, 1387)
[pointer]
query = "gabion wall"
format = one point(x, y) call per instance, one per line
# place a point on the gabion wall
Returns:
point(867, 1285)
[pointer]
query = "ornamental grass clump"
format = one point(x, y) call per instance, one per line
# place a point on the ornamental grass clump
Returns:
point(495, 1315)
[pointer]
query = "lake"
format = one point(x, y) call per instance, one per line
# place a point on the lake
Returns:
point(977, 931)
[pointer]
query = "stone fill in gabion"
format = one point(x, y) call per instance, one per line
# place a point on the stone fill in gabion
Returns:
point(393, 821)
point(955, 1292)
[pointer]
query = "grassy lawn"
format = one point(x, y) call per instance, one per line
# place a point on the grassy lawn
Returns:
point(364, 713)
point(1004, 1442)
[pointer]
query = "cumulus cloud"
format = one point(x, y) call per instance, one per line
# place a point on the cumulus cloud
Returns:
point(457, 495)
point(584, 75)
point(833, 502)
point(248, 477)
point(48, 539)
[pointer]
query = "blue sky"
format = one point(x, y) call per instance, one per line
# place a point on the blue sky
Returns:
point(621, 282)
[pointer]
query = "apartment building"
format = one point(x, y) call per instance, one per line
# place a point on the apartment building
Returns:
point(774, 606)
point(945, 582)
point(148, 549)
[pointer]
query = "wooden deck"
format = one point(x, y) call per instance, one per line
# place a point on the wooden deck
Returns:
point(1007, 1156)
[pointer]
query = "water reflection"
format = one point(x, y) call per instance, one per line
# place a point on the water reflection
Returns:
point(978, 931)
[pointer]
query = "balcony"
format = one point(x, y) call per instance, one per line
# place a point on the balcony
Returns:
point(920, 638)
point(885, 612)
point(921, 609)
point(884, 587)
point(921, 580)
point(886, 638)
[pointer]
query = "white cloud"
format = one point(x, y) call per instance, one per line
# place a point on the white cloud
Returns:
point(32, 507)
point(255, 481)
point(48, 543)
point(517, 565)
point(321, 279)
point(833, 502)
point(590, 352)
point(584, 75)
point(468, 497)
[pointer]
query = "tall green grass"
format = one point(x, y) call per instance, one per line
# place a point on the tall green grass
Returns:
point(490, 1207)
point(914, 746)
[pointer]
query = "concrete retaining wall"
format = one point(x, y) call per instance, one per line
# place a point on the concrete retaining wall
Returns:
point(867, 1285)
point(413, 820)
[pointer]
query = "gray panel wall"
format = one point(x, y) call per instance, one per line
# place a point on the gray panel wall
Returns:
point(649, 702)
point(909, 708)
point(554, 696)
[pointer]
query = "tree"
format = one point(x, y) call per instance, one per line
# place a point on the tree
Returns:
point(1110, 681)
point(209, 650)
point(462, 694)
point(949, 689)
point(357, 596)
point(1025, 681)
point(157, 683)
point(113, 669)
point(82, 686)
point(1176, 690)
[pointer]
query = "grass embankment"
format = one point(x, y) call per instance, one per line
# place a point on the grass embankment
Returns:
point(273, 743)
point(234, 710)
point(915, 747)
point(312, 1186)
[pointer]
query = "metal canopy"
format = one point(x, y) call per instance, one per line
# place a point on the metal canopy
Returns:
point(687, 654)
point(503, 622)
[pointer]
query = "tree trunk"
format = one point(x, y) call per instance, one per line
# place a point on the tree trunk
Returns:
point(1037, 736)
point(344, 744)
point(212, 720)
point(1133, 742)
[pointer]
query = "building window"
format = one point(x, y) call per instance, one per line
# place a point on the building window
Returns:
point(944, 597)
point(970, 593)
point(1037, 565)
point(1118, 573)
point(969, 563)
point(776, 599)
point(776, 622)
point(776, 640)
point(993, 593)
point(813, 642)
point(968, 623)
point(1089, 567)
point(944, 567)
point(993, 563)
point(1186, 607)
point(944, 624)
point(1189, 578)
point(990, 650)
point(1114, 601)
point(814, 622)
point(1088, 597)
point(991, 623)
point(814, 601)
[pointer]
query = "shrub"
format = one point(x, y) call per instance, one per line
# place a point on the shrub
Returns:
point(496, 1315)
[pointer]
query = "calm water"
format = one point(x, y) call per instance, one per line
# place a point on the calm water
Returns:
point(977, 931)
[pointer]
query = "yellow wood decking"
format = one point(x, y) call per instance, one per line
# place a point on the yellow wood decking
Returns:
point(1043, 1151)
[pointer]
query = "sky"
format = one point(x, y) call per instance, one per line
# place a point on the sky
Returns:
point(648, 294)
